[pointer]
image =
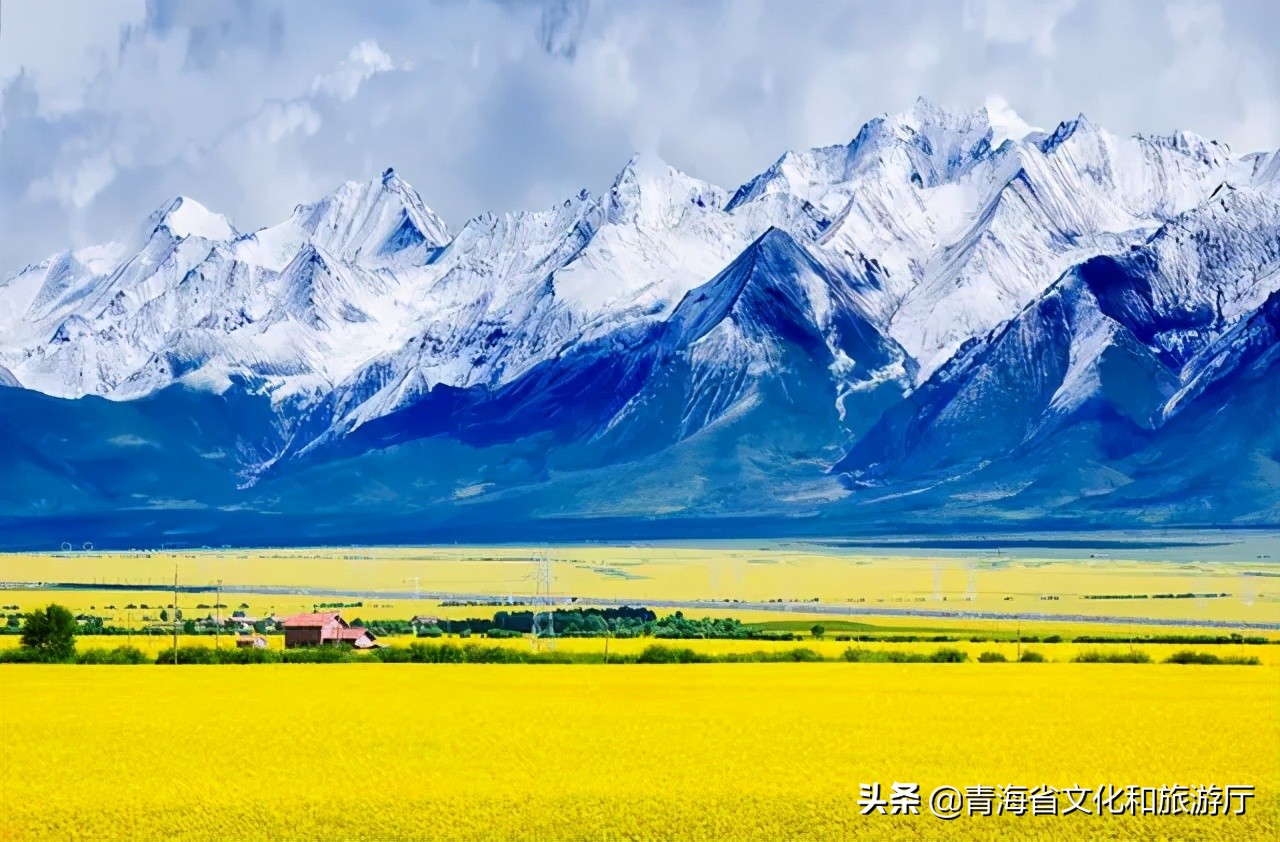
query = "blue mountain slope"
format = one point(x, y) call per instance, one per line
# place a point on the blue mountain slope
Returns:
point(1120, 393)
point(178, 448)
point(949, 320)
point(774, 316)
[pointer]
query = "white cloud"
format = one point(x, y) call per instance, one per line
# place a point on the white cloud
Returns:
point(1006, 122)
point(277, 120)
point(364, 61)
point(108, 109)
point(63, 49)
point(76, 189)
point(1019, 21)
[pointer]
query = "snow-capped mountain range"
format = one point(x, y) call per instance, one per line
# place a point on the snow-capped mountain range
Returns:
point(948, 310)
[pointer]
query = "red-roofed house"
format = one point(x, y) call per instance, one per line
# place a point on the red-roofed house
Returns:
point(324, 628)
point(358, 637)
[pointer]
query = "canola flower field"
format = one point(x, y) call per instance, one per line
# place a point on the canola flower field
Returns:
point(720, 751)
point(697, 751)
point(793, 577)
point(828, 647)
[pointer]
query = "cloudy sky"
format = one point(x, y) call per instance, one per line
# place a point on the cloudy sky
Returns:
point(110, 107)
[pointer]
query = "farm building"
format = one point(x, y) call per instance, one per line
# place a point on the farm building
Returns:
point(325, 628)
point(251, 641)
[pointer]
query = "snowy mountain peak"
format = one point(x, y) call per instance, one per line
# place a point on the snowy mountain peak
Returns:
point(771, 267)
point(373, 220)
point(1006, 124)
point(184, 217)
point(652, 193)
point(322, 294)
point(925, 116)
point(941, 143)
point(1190, 145)
point(947, 289)
point(1079, 126)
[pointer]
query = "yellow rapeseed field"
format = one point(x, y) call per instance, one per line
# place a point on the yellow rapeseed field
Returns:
point(639, 573)
point(721, 751)
point(1267, 655)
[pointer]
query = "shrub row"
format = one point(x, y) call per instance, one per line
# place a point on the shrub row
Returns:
point(472, 653)
point(118, 655)
point(1096, 657)
point(892, 656)
point(1186, 639)
point(1189, 657)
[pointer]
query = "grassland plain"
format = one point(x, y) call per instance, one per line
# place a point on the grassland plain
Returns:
point(723, 751)
point(639, 574)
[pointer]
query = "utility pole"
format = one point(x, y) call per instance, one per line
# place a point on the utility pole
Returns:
point(175, 615)
point(217, 631)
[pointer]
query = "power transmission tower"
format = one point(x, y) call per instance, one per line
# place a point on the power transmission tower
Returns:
point(542, 578)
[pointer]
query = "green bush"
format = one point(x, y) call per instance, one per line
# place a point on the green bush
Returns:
point(1031, 657)
point(797, 655)
point(319, 655)
point(189, 655)
point(119, 655)
point(882, 656)
point(250, 655)
point(1096, 657)
point(1186, 656)
point(19, 655)
point(392, 655)
point(949, 656)
point(801, 655)
point(50, 635)
point(992, 658)
point(670, 655)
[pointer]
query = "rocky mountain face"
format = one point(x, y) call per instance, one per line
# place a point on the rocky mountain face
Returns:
point(941, 321)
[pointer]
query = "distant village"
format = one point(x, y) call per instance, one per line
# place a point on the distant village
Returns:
point(306, 629)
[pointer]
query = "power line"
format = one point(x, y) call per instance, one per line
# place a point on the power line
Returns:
point(542, 578)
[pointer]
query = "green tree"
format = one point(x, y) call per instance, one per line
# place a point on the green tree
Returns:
point(164, 616)
point(188, 626)
point(50, 634)
point(818, 631)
